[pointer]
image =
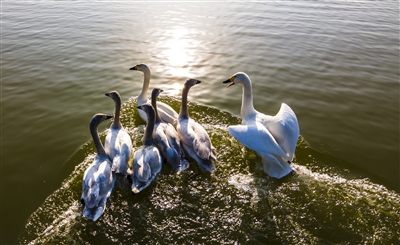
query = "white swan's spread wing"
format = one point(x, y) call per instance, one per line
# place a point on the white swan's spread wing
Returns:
point(285, 129)
point(257, 138)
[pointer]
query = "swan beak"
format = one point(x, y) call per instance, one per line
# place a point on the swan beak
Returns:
point(139, 107)
point(107, 94)
point(108, 117)
point(198, 81)
point(135, 68)
point(230, 81)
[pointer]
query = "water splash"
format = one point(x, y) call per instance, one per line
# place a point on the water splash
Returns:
point(322, 203)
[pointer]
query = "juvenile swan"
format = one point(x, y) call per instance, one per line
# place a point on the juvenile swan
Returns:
point(118, 144)
point(98, 179)
point(167, 138)
point(274, 138)
point(166, 112)
point(194, 138)
point(147, 160)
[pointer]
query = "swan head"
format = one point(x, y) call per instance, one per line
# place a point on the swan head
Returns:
point(99, 117)
point(191, 82)
point(239, 77)
point(113, 95)
point(156, 92)
point(140, 67)
point(148, 108)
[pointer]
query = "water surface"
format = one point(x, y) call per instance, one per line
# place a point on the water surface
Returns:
point(335, 63)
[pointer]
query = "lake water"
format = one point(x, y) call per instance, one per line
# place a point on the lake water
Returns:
point(336, 63)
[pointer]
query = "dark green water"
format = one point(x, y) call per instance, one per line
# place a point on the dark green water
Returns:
point(335, 63)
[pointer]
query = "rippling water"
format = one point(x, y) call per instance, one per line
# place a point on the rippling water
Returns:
point(335, 63)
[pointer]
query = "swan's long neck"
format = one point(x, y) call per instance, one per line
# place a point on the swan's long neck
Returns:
point(247, 99)
point(117, 122)
point(142, 98)
point(184, 108)
point(154, 104)
point(148, 133)
point(96, 139)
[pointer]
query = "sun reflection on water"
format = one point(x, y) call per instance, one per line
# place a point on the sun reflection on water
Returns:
point(177, 52)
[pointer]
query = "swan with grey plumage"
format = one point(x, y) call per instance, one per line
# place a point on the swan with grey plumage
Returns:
point(118, 143)
point(274, 138)
point(166, 112)
point(167, 138)
point(147, 160)
point(98, 179)
point(194, 137)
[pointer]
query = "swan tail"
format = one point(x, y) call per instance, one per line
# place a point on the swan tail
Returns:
point(91, 198)
point(173, 158)
point(204, 164)
point(276, 167)
point(138, 186)
point(183, 164)
point(94, 213)
point(120, 165)
point(116, 164)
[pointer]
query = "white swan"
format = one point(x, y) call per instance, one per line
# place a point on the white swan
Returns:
point(98, 179)
point(167, 138)
point(166, 112)
point(194, 138)
point(118, 143)
point(147, 161)
point(274, 138)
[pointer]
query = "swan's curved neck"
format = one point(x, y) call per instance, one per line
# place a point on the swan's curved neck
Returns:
point(146, 81)
point(148, 133)
point(247, 99)
point(117, 123)
point(154, 104)
point(184, 108)
point(96, 139)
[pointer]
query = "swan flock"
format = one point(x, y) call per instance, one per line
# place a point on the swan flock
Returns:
point(172, 136)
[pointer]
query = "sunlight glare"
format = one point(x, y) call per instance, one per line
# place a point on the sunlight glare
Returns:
point(177, 53)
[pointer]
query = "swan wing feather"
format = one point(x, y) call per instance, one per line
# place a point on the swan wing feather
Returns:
point(284, 127)
point(257, 138)
point(141, 168)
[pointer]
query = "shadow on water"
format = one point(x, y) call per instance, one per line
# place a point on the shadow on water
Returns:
point(324, 202)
